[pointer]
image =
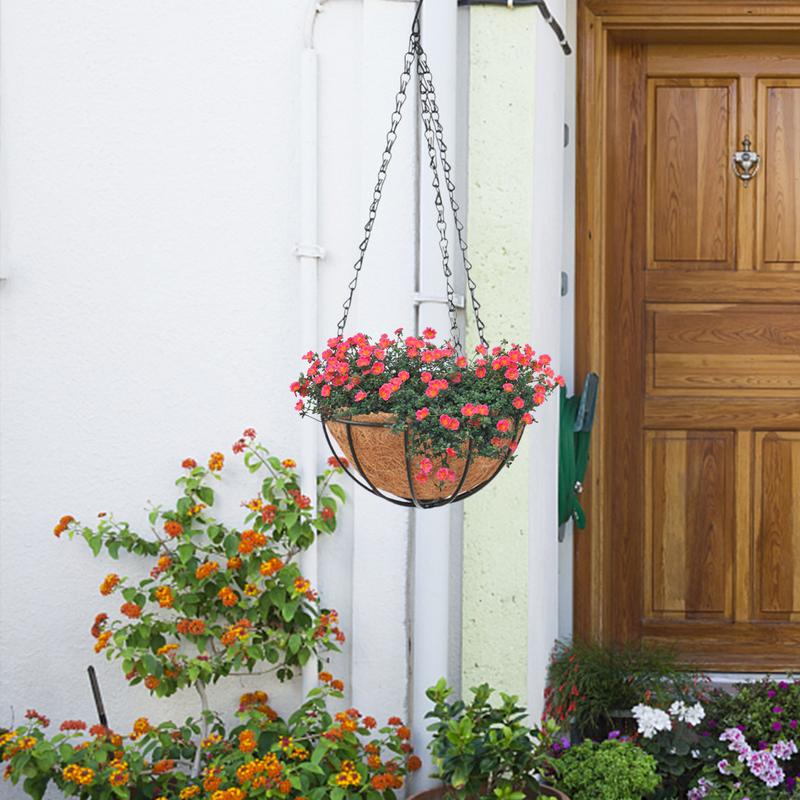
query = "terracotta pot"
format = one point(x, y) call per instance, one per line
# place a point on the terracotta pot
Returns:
point(441, 792)
point(378, 454)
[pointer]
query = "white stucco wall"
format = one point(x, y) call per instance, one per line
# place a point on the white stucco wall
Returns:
point(149, 207)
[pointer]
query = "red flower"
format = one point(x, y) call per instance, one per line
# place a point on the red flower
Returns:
point(503, 425)
point(429, 333)
point(188, 463)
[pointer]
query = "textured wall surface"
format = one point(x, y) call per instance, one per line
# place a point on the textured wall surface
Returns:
point(501, 105)
point(516, 114)
point(149, 209)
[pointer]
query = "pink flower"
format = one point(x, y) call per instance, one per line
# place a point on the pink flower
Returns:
point(377, 368)
point(420, 477)
point(359, 395)
point(508, 387)
point(445, 475)
point(429, 333)
point(451, 453)
point(426, 377)
point(461, 362)
point(298, 406)
point(518, 402)
point(503, 425)
point(483, 410)
point(527, 419)
point(403, 375)
point(325, 391)
point(448, 422)
point(468, 409)
point(480, 372)
point(422, 413)
point(425, 466)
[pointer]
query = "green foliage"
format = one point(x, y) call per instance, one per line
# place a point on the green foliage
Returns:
point(768, 709)
point(485, 750)
point(590, 684)
point(314, 753)
point(444, 399)
point(610, 770)
point(218, 600)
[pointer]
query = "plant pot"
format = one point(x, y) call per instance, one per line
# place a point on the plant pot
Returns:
point(381, 457)
point(441, 792)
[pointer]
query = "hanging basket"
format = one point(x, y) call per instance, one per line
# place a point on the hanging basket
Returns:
point(383, 459)
point(414, 464)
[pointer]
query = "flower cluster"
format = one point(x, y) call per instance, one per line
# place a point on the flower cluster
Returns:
point(443, 398)
point(262, 756)
point(218, 599)
point(734, 777)
point(651, 721)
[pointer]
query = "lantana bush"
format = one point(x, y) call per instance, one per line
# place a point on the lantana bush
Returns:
point(219, 601)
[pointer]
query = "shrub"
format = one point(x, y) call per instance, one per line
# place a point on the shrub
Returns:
point(610, 770)
point(481, 749)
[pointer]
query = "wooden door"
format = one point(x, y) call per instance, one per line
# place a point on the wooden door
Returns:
point(702, 370)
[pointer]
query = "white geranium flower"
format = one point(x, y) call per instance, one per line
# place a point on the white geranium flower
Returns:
point(650, 720)
point(691, 715)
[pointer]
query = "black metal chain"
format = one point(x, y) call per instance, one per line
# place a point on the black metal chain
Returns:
point(427, 108)
point(434, 137)
point(427, 78)
point(391, 138)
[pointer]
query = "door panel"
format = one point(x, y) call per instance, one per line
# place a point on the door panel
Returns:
point(779, 189)
point(692, 127)
point(689, 521)
point(727, 350)
point(704, 353)
point(777, 525)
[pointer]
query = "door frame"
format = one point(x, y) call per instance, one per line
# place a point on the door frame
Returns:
point(603, 27)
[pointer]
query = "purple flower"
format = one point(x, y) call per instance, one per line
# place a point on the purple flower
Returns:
point(776, 726)
point(614, 734)
point(777, 710)
point(793, 724)
point(771, 693)
point(783, 685)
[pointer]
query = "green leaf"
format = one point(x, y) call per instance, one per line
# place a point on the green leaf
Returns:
point(185, 551)
point(206, 494)
point(339, 492)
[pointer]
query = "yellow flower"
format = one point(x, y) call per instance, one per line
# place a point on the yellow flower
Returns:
point(216, 462)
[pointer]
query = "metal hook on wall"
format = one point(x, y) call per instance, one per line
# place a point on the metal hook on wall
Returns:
point(543, 9)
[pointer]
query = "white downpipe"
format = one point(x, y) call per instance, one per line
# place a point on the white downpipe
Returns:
point(309, 253)
point(431, 584)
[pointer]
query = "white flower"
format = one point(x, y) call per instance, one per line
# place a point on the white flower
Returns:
point(651, 720)
point(691, 715)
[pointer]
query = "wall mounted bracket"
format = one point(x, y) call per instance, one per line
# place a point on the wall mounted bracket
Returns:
point(540, 4)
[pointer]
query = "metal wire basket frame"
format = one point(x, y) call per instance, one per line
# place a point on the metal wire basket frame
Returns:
point(414, 501)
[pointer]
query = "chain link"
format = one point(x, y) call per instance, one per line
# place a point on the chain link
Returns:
point(437, 153)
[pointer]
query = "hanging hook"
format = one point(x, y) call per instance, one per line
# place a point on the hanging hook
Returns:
point(417, 15)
